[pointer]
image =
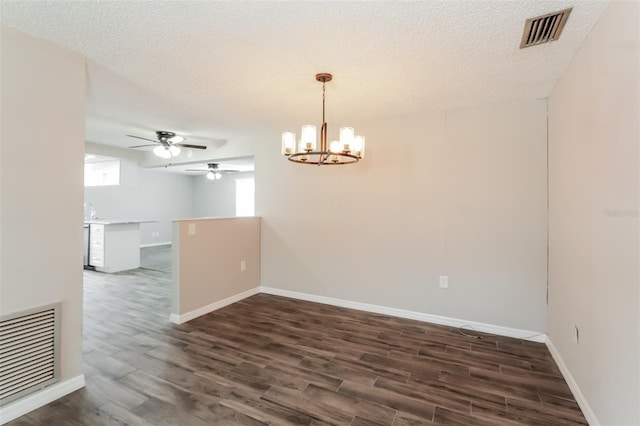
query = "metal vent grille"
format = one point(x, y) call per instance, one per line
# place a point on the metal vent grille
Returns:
point(544, 29)
point(28, 351)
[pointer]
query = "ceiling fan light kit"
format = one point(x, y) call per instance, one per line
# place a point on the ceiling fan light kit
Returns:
point(168, 144)
point(213, 171)
point(211, 175)
point(349, 149)
point(166, 151)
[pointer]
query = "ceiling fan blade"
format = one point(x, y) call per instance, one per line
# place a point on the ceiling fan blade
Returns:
point(197, 170)
point(229, 171)
point(140, 137)
point(186, 145)
point(142, 146)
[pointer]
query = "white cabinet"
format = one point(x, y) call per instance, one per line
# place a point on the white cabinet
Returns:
point(114, 247)
point(96, 245)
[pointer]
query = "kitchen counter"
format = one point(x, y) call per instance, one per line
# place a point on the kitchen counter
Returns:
point(114, 245)
point(116, 222)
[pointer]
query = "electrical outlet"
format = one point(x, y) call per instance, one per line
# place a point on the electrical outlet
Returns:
point(243, 265)
point(192, 229)
point(444, 281)
point(577, 337)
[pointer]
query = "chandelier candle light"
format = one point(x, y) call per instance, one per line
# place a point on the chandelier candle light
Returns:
point(348, 150)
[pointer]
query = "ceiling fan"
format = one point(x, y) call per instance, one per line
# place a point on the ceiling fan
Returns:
point(213, 171)
point(167, 144)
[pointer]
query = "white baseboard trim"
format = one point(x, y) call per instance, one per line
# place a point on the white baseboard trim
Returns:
point(29, 403)
point(436, 319)
point(179, 319)
point(577, 393)
point(166, 243)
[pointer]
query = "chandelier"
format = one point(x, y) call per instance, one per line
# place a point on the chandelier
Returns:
point(347, 150)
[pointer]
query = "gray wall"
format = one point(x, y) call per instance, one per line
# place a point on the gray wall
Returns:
point(216, 198)
point(145, 194)
point(41, 156)
point(458, 193)
point(594, 185)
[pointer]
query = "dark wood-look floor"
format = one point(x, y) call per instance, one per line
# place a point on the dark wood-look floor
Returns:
point(273, 360)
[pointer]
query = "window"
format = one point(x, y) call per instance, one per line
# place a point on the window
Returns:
point(102, 173)
point(245, 202)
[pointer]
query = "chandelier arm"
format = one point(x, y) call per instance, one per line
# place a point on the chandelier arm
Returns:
point(322, 157)
point(323, 136)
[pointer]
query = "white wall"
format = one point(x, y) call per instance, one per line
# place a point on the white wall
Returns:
point(216, 198)
point(41, 177)
point(594, 259)
point(145, 195)
point(461, 193)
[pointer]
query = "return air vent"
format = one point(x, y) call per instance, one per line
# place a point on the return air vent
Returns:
point(544, 29)
point(28, 351)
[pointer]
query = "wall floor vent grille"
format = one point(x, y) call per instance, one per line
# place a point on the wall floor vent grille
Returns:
point(544, 29)
point(28, 351)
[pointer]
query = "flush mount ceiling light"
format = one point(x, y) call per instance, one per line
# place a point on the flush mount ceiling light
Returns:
point(348, 149)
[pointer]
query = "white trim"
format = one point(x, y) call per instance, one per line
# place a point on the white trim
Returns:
point(573, 385)
point(166, 243)
point(179, 319)
point(36, 400)
point(437, 319)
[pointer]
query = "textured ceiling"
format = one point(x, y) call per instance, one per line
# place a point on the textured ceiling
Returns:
point(216, 69)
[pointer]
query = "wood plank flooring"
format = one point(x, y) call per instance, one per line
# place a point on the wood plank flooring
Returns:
point(273, 360)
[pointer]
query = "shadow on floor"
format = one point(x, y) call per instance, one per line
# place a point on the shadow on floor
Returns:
point(157, 258)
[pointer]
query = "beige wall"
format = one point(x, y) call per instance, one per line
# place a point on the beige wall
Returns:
point(458, 193)
point(41, 177)
point(593, 216)
point(208, 262)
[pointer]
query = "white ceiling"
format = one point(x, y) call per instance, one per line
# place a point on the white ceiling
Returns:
point(240, 164)
point(212, 70)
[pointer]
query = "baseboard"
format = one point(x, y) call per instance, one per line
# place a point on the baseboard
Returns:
point(419, 316)
point(166, 243)
point(179, 319)
point(29, 403)
point(577, 393)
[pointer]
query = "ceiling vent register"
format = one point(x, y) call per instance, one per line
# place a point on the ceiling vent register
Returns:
point(544, 29)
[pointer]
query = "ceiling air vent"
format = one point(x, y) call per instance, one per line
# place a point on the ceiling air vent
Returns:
point(544, 29)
